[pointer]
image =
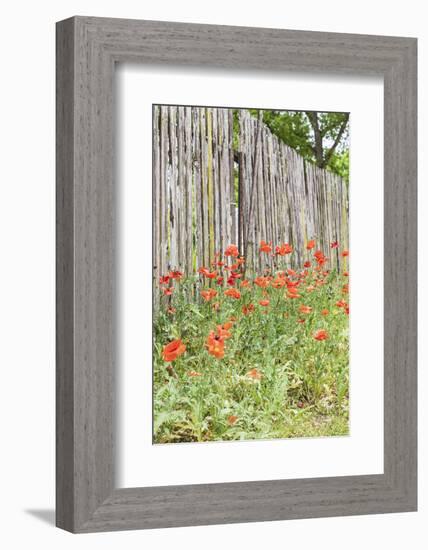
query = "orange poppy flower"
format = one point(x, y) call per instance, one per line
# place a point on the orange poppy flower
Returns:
point(171, 310)
point(284, 249)
point(345, 253)
point(320, 258)
point(310, 245)
point(293, 292)
point(262, 282)
point(264, 302)
point(215, 345)
point(168, 291)
point(231, 420)
point(321, 335)
point(345, 274)
point(279, 282)
point(223, 331)
point(265, 247)
point(310, 288)
point(193, 373)
point(307, 264)
point(341, 303)
point(173, 350)
point(301, 320)
point(305, 309)
point(232, 250)
point(254, 374)
point(207, 273)
point(232, 293)
point(246, 310)
point(209, 294)
point(324, 312)
point(245, 283)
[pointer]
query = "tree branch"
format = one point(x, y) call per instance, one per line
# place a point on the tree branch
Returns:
point(330, 152)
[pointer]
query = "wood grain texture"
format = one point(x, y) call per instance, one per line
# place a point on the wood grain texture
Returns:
point(87, 49)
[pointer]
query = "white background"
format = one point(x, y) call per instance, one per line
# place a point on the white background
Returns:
point(362, 451)
point(27, 273)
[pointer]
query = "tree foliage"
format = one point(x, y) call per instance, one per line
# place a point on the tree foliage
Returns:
point(321, 138)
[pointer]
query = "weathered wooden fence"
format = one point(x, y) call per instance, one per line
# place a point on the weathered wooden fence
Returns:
point(284, 198)
point(197, 212)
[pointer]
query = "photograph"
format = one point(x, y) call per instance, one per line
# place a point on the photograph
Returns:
point(250, 274)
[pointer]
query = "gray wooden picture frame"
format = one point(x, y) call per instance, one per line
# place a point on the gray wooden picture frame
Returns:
point(87, 50)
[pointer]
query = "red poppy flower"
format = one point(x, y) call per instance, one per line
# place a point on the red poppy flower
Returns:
point(292, 295)
point(265, 247)
point(173, 350)
point(223, 331)
point(254, 374)
point(171, 310)
point(293, 292)
point(307, 264)
point(341, 303)
point(311, 244)
point(334, 244)
point(264, 302)
point(215, 345)
point(232, 293)
point(168, 291)
point(232, 250)
point(262, 282)
point(320, 258)
point(232, 419)
point(209, 294)
point(284, 249)
point(321, 335)
point(279, 282)
point(246, 310)
point(176, 275)
point(207, 273)
point(305, 309)
point(164, 280)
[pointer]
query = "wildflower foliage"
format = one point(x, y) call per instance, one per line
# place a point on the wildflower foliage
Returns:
point(241, 355)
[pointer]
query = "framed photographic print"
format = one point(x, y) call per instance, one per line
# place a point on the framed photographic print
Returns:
point(236, 274)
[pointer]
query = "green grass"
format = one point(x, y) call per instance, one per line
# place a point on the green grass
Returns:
point(303, 388)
